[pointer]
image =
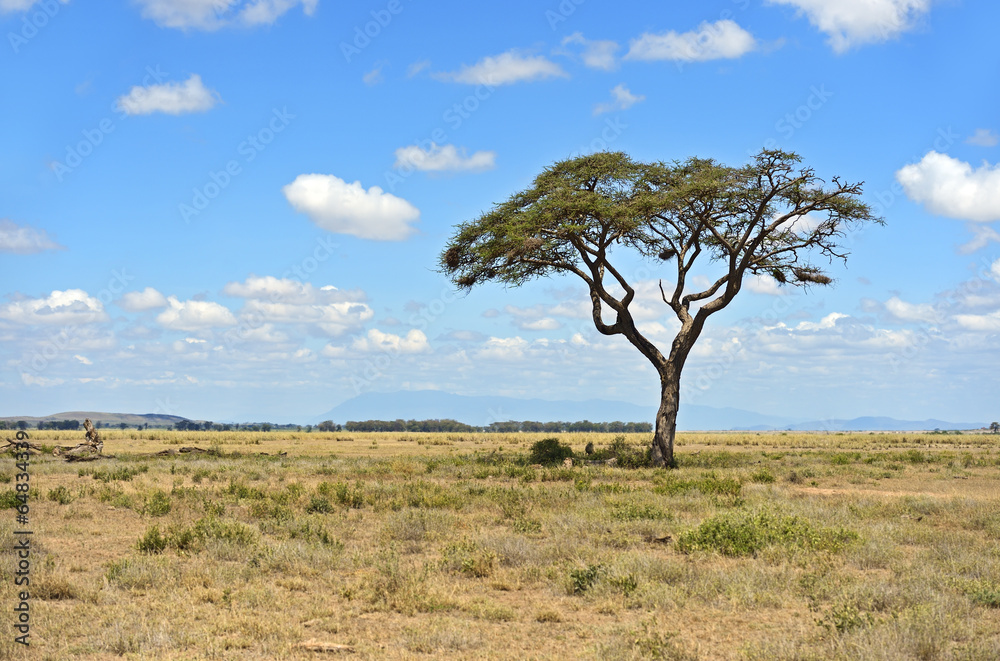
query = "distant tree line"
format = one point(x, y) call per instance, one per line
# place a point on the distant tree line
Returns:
point(448, 425)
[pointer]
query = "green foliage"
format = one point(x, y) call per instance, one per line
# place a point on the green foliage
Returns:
point(762, 476)
point(119, 474)
point(469, 558)
point(633, 511)
point(709, 484)
point(153, 541)
point(582, 580)
point(744, 533)
point(8, 500)
point(60, 495)
point(319, 505)
point(549, 451)
point(157, 503)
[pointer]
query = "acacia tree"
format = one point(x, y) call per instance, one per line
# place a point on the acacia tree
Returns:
point(751, 220)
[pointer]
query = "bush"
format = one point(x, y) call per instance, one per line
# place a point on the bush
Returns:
point(746, 533)
point(549, 451)
point(581, 580)
point(60, 495)
point(153, 541)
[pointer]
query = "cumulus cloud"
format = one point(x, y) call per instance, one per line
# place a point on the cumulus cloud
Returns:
point(503, 348)
point(764, 284)
point(376, 341)
point(139, 301)
point(723, 39)
point(979, 322)
point(344, 208)
point(332, 318)
point(73, 306)
point(24, 239)
point(596, 54)
point(623, 100)
point(850, 23)
point(982, 236)
point(922, 312)
point(440, 158)
point(83, 359)
point(950, 187)
point(287, 290)
point(983, 138)
point(170, 98)
point(505, 69)
point(215, 14)
point(194, 315)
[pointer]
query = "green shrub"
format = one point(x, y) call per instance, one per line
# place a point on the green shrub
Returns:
point(60, 495)
point(319, 505)
point(157, 504)
point(8, 500)
point(153, 541)
point(762, 476)
point(582, 580)
point(746, 533)
point(549, 451)
point(119, 474)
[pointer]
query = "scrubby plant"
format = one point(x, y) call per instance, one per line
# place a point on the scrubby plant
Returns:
point(549, 451)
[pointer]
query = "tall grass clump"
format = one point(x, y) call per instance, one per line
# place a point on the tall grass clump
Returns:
point(746, 533)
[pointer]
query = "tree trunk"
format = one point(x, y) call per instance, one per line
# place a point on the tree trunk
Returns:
point(666, 421)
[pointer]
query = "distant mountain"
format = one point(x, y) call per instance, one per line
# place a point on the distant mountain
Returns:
point(880, 424)
point(105, 419)
point(481, 411)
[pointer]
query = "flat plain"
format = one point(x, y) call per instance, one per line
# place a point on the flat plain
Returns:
point(399, 546)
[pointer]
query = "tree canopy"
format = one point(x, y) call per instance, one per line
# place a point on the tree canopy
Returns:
point(769, 217)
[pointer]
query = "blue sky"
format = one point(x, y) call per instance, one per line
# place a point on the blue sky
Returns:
point(232, 210)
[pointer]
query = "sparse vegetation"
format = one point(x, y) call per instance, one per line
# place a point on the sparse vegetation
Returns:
point(454, 545)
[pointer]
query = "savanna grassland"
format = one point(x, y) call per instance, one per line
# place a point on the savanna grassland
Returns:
point(401, 546)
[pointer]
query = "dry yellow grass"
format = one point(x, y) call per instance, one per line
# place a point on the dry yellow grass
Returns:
point(401, 546)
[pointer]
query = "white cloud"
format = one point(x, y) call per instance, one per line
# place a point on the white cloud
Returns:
point(623, 100)
point(73, 306)
point(287, 290)
point(900, 309)
point(170, 98)
point(344, 208)
point(851, 23)
point(138, 301)
point(215, 14)
point(194, 315)
point(377, 341)
point(332, 318)
point(829, 321)
point(596, 54)
point(503, 348)
point(950, 187)
point(723, 39)
point(995, 270)
point(24, 239)
point(374, 77)
point(982, 236)
point(545, 323)
point(442, 158)
point(979, 322)
point(504, 69)
point(84, 359)
point(983, 138)
point(764, 284)
point(417, 67)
